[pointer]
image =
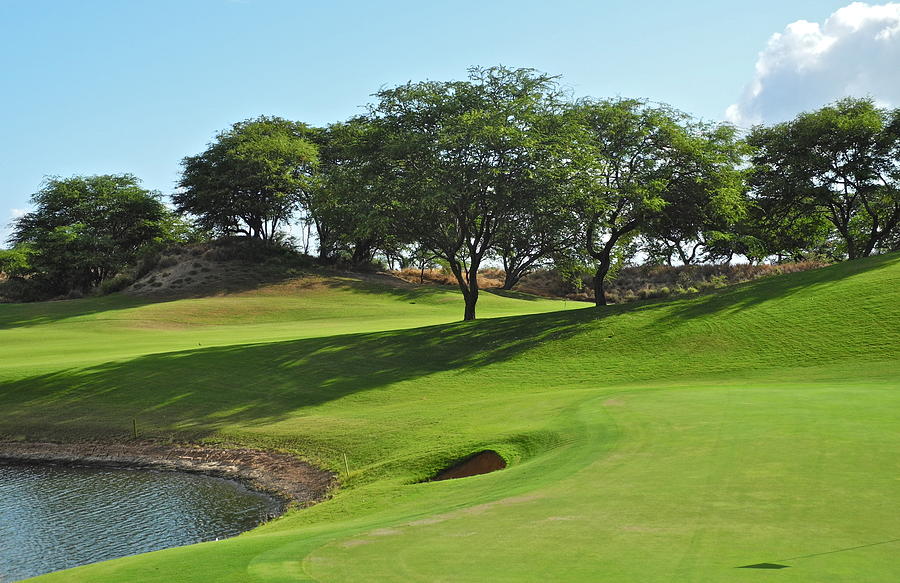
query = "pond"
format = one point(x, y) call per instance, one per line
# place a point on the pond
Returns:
point(56, 517)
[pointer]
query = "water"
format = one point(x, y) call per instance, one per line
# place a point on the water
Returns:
point(54, 517)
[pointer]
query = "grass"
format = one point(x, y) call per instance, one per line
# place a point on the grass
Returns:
point(655, 441)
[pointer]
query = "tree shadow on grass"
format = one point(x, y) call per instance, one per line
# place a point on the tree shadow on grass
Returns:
point(198, 391)
point(518, 295)
point(375, 284)
point(201, 390)
point(37, 313)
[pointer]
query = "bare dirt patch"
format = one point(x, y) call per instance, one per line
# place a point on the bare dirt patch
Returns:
point(425, 521)
point(386, 532)
point(559, 518)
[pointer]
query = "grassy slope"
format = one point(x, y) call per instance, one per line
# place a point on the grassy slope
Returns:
point(669, 441)
point(53, 335)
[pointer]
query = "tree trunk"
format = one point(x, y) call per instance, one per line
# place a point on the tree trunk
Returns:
point(326, 245)
point(843, 228)
point(508, 277)
point(468, 285)
point(604, 262)
point(307, 237)
point(472, 296)
point(514, 271)
point(362, 253)
point(512, 278)
point(599, 281)
point(851, 247)
point(872, 241)
point(471, 300)
point(870, 247)
point(604, 256)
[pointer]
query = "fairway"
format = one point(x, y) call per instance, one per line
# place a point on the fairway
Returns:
point(675, 440)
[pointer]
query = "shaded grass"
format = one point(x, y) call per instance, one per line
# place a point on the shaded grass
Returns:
point(99, 330)
point(198, 389)
point(37, 313)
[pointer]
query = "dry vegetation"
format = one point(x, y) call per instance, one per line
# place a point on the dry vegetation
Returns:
point(631, 284)
point(659, 281)
point(487, 278)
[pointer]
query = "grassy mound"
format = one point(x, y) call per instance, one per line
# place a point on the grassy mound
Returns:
point(653, 441)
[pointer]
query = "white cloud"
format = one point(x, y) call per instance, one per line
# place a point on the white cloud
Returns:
point(16, 213)
point(855, 52)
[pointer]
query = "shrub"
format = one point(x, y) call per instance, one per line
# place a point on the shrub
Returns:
point(717, 281)
point(685, 277)
point(167, 261)
point(116, 284)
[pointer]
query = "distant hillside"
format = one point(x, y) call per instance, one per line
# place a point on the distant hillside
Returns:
point(226, 268)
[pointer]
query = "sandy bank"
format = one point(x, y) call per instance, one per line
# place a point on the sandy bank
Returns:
point(282, 475)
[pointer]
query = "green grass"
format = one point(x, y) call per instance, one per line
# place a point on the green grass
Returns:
point(658, 441)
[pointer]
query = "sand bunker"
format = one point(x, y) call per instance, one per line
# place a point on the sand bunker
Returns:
point(481, 463)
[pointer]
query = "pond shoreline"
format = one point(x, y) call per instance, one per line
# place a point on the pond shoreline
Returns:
point(280, 475)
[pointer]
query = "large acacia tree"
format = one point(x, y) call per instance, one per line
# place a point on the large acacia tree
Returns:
point(251, 179)
point(840, 163)
point(461, 160)
point(641, 163)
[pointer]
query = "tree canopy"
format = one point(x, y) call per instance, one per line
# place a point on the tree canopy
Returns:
point(840, 163)
point(462, 160)
point(251, 179)
point(504, 168)
point(648, 169)
point(85, 229)
point(350, 204)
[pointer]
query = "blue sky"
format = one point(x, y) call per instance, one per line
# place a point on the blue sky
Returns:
point(95, 86)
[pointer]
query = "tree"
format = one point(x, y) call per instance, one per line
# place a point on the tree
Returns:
point(533, 239)
point(647, 168)
point(85, 229)
point(348, 205)
point(699, 221)
point(841, 163)
point(774, 228)
point(460, 161)
point(251, 179)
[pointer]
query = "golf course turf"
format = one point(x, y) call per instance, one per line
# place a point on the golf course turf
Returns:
point(675, 440)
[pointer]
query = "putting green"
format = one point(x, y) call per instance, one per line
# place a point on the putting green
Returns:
point(661, 441)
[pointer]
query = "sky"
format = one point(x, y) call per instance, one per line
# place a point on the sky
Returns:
point(113, 86)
